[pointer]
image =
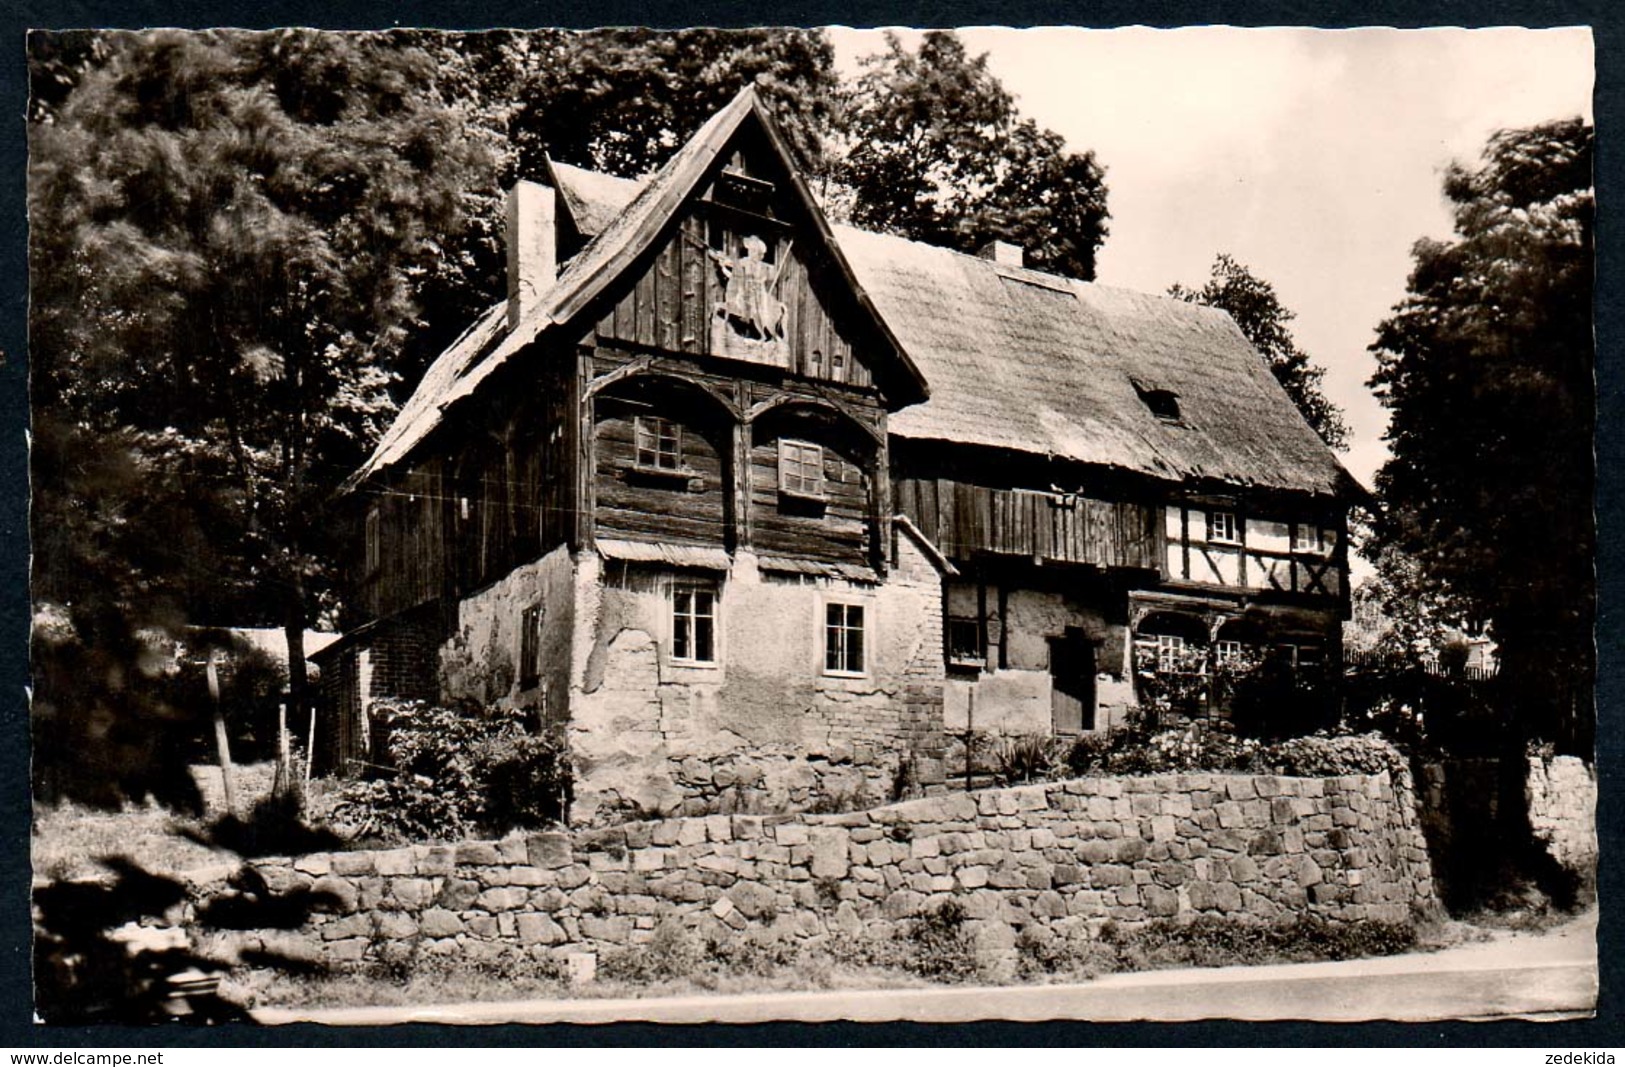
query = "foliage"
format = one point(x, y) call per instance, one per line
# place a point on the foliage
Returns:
point(1172, 682)
point(1257, 310)
point(936, 151)
point(226, 233)
point(1323, 756)
point(937, 944)
point(1139, 748)
point(1275, 699)
point(1210, 941)
point(1028, 757)
point(623, 100)
point(1042, 952)
point(1214, 746)
point(1396, 610)
point(1426, 711)
point(940, 944)
point(1487, 370)
point(670, 953)
point(454, 772)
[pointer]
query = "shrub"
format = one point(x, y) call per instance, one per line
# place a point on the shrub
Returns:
point(454, 772)
point(1208, 941)
point(1041, 952)
point(1199, 745)
point(939, 945)
point(1028, 757)
point(671, 952)
point(1320, 756)
point(759, 954)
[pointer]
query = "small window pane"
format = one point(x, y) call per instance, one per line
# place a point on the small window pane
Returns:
point(659, 443)
point(843, 638)
point(1221, 526)
point(801, 468)
point(693, 622)
point(965, 640)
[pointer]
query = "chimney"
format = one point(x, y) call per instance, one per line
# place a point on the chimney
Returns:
point(532, 239)
point(1004, 253)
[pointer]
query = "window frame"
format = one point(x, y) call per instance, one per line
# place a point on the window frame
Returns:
point(846, 606)
point(802, 462)
point(1319, 546)
point(1170, 647)
point(372, 546)
point(650, 428)
point(675, 618)
point(1231, 520)
point(976, 660)
point(530, 647)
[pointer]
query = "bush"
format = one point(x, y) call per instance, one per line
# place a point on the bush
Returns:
point(452, 773)
point(1208, 941)
point(1136, 748)
point(670, 953)
point(940, 946)
point(1028, 758)
point(1320, 756)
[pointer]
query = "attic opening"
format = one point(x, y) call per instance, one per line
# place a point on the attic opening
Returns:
point(1163, 403)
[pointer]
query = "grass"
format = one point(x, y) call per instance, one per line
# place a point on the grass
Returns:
point(68, 839)
point(440, 982)
point(677, 963)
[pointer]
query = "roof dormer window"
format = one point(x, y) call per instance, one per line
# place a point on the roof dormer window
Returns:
point(1163, 403)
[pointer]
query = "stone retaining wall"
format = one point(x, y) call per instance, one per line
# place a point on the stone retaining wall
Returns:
point(1562, 795)
point(1068, 856)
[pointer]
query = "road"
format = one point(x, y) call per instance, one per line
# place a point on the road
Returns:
point(1551, 975)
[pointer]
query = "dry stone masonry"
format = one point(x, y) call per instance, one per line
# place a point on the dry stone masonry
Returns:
point(1068, 856)
point(1562, 796)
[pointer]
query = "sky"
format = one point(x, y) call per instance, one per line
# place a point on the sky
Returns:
point(1314, 157)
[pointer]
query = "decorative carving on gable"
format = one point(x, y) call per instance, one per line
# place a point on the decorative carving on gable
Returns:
point(749, 320)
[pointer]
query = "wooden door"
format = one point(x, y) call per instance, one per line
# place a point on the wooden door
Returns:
point(1072, 683)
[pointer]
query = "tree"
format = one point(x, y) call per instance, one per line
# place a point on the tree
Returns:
point(1258, 312)
point(226, 232)
point(1487, 370)
point(616, 100)
point(936, 151)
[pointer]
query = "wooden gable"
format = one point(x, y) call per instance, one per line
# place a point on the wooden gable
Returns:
point(744, 269)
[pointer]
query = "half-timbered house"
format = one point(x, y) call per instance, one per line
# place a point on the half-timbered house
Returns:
point(756, 508)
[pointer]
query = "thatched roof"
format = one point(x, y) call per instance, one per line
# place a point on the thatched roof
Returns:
point(1035, 363)
point(1015, 359)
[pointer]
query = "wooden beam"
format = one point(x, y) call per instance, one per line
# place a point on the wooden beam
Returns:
point(1241, 538)
point(586, 503)
point(1292, 548)
point(740, 475)
point(881, 506)
point(1004, 627)
point(1185, 540)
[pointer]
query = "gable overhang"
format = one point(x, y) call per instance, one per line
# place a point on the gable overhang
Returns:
point(651, 215)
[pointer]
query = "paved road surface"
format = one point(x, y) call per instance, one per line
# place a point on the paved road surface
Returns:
point(1553, 975)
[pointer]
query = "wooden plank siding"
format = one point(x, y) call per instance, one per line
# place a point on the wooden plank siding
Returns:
point(671, 305)
point(965, 519)
point(496, 497)
point(838, 530)
point(690, 508)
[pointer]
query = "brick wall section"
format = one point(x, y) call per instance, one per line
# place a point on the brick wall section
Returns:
point(1068, 856)
point(405, 658)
